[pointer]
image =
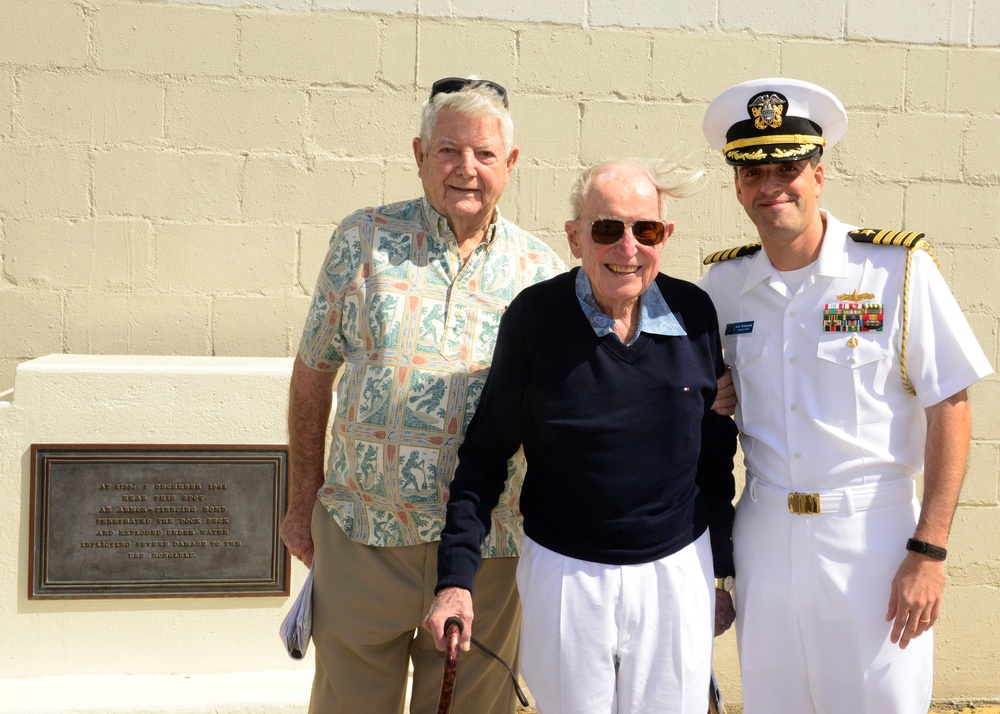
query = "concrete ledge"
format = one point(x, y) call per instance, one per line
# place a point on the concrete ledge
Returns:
point(280, 692)
point(118, 655)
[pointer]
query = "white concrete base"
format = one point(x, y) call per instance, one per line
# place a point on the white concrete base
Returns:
point(282, 692)
point(117, 655)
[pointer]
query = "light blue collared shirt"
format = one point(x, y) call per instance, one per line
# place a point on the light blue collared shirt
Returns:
point(655, 316)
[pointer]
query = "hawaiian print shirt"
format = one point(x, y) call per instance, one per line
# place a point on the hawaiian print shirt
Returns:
point(414, 331)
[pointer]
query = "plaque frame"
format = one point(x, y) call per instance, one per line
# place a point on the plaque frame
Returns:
point(195, 565)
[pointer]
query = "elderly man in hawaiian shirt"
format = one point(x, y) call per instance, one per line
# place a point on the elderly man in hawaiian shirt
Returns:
point(406, 310)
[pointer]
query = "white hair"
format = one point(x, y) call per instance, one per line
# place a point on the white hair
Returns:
point(669, 177)
point(475, 100)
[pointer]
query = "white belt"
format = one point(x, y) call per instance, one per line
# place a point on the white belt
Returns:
point(846, 500)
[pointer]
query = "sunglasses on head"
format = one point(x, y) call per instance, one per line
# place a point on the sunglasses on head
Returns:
point(450, 85)
point(608, 231)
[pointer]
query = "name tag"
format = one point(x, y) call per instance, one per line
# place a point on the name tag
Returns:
point(739, 328)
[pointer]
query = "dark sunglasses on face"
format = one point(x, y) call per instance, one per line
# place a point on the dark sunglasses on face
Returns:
point(608, 231)
point(450, 85)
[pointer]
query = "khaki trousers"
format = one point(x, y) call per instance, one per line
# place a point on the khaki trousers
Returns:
point(368, 603)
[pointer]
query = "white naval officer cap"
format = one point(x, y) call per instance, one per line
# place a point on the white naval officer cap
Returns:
point(766, 121)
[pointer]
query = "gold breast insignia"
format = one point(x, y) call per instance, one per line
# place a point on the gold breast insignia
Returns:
point(856, 296)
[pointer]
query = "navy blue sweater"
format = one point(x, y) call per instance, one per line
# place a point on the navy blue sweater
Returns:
point(626, 461)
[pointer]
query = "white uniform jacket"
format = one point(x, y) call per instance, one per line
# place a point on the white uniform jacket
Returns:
point(822, 409)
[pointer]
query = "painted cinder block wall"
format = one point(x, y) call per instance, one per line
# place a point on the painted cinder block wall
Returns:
point(170, 172)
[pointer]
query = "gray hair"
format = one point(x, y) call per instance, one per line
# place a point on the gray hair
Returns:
point(669, 177)
point(475, 100)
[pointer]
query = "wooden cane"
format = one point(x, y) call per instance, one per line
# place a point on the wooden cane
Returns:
point(452, 631)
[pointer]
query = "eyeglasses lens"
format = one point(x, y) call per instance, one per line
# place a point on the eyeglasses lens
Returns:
point(608, 231)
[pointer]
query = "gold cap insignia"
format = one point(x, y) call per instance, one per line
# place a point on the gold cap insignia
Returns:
point(767, 110)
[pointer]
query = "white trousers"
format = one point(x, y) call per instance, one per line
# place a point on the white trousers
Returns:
point(812, 592)
point(617, 639)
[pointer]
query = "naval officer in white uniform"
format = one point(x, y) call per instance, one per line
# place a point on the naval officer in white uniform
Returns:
point(851, 360)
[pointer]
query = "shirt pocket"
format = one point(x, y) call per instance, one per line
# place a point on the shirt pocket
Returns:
point(851, 375)
point(746, 354)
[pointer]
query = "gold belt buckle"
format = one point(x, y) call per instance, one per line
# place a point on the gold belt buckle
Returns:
point(803, 502)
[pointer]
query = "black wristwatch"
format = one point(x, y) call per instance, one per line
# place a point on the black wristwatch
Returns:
point(931, 551)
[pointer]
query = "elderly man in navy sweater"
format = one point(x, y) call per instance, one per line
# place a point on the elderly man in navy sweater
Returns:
point(605, 376)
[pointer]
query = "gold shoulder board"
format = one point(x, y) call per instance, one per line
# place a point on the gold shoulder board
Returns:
point(875, 236)
point(730, 253)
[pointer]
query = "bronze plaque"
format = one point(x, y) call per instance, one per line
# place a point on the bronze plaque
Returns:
point(157, 521)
